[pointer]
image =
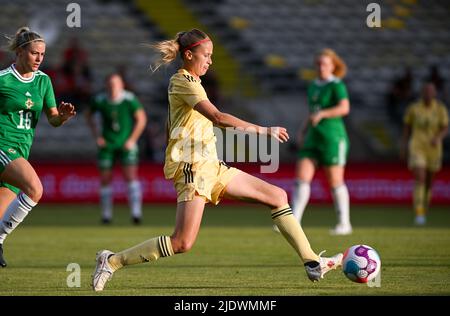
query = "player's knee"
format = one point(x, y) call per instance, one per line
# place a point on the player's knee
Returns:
point(336, 184)
point(279, 197)
point(35, 191)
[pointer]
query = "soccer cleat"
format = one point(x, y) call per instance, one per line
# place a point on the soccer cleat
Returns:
point(103, 271)
point(2, 260)
point(341, 230)
point(136, 220)
point(420, 220)
point(316, 270)
point(106, 221)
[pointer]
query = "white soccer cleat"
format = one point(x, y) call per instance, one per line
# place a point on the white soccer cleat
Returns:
point(329, 263)
point(341, 230)
point(103, 271)
point(316, 270)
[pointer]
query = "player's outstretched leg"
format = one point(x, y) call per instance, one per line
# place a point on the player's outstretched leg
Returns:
point(247, 187)
point(316, 266)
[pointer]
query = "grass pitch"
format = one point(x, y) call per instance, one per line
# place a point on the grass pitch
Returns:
point(236, 253)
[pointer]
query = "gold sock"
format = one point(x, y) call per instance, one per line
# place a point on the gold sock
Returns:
point(419, 199)
point(149, 250)
point(291, 230)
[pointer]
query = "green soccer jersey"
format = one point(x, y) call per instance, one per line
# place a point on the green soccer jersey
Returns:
point(323, 95)
point(117, 117)
point(21, 104)
point(327, 142)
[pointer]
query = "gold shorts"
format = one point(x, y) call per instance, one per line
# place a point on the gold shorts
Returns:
point(429, 160)
point(207, 178)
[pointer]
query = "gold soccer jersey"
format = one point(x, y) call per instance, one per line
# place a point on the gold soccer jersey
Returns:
point(425, 123)
point(191, 135)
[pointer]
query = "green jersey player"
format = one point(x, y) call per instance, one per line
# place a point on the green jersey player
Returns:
point(325, 140)
point(123, 121)
point(24, 93)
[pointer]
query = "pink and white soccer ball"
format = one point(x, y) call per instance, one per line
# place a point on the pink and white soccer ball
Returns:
point(361, 263)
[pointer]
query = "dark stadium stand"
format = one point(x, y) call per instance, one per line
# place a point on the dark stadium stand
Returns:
point(270, 43)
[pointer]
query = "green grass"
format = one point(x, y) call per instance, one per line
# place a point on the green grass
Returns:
point(236, 253)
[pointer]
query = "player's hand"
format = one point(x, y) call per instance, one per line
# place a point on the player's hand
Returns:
point(129, 144)
point(279, 133)
point(101, 142)
point(66, 111)
point(315, 118)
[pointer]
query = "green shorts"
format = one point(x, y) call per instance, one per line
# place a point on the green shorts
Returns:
point(8, 153)
point(329, 151)
point(107, 157)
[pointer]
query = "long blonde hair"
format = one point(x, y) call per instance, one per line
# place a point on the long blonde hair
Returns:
point(340, 68)
point(182, 42)
point(23, 38)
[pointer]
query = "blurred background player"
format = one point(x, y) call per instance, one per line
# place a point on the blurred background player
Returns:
point(24, 93)
point(324, 139)
point(426, 125)
point(123, 121)
point(199, 176)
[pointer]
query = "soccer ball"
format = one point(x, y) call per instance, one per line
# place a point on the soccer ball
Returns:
point(361, 263)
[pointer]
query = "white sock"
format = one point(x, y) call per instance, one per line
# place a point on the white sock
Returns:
point(342, 204)
point(15, 214)
point(135, 198)
point(106, 201)
point(300, 198)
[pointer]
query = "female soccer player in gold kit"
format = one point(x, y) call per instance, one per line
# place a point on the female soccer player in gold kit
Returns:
point(199, 176)
point(426, 124)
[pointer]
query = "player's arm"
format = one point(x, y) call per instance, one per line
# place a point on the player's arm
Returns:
point(140, 120)
point(221, 119)
point(405, 138)
point(443, 126)
point(57, 116)
point(339, 110)
point(89, 116)
point(440, 135)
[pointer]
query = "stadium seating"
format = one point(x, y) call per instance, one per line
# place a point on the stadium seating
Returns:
point(283, 37)
point(273, 42)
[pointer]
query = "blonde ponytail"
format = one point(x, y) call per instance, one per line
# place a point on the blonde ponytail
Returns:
point(22, 38)
point(169, 49)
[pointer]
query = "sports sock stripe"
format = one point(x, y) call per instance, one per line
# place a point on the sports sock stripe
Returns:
point(281, 212)
point(163, 247)
point(23, 202)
